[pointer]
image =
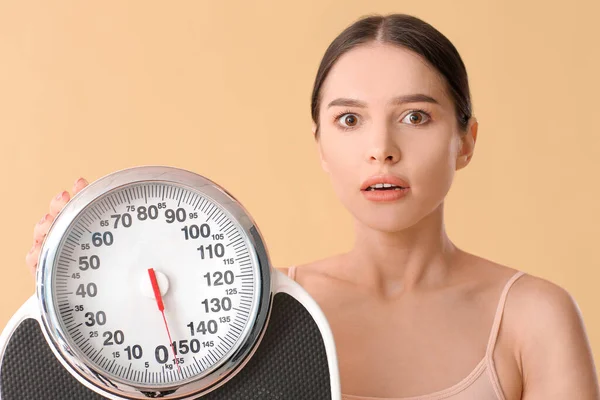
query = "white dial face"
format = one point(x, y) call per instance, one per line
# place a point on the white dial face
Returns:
point(155, 284)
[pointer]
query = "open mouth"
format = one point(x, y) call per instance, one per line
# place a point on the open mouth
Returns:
point(384, 186)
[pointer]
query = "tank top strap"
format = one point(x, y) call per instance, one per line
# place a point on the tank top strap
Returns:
point(292, 272)
point(499, 312)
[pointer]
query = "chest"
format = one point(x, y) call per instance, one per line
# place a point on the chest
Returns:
point(414, 346)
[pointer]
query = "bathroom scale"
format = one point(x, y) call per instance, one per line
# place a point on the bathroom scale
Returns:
point(155, 282)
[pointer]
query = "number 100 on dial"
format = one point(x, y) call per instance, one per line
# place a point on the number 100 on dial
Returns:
point(154, 284)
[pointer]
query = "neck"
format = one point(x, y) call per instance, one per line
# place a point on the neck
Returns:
point(391, 263)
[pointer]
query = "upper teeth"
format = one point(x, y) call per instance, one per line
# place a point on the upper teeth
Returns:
point(382, 185)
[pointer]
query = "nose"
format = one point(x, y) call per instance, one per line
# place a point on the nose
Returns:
point(382, 147)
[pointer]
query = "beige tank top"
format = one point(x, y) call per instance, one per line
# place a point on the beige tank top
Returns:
point(481, 384)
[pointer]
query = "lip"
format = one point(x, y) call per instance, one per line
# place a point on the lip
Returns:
point(385, 195)
point(384, 178)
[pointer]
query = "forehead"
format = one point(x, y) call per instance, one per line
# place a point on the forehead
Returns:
point(377, 72)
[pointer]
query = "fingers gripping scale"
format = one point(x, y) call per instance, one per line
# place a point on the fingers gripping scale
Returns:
point(154, 282)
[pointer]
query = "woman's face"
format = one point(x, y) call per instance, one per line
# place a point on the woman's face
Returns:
point(384, 110)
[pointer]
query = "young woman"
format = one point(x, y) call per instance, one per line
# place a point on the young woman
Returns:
point(413, 316)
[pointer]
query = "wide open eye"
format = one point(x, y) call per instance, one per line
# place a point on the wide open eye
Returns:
point(416, 117)
point(346, 120)
point(350, 120)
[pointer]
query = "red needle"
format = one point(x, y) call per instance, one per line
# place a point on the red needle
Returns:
point(161, 308)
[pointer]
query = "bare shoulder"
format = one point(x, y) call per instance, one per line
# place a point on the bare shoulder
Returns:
point(551, 341)
point(543, 332)
point(533, 304)
point(543, 315)
point(538, 304)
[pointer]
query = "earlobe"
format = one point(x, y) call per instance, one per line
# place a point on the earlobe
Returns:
point(467, 144)
point(461, 162)
point(322, 158)
point(319, 148)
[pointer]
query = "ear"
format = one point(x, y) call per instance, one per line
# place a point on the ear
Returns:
point(319, 149)
point(467, 144)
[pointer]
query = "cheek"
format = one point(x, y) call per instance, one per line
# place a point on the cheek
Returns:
point(433, 169)
point(343, 162)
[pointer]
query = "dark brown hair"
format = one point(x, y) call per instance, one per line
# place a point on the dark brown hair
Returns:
point(408, 32)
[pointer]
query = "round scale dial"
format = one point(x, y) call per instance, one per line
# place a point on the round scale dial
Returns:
point(154, 285)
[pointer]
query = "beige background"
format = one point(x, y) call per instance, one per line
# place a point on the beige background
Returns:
point(223, 89)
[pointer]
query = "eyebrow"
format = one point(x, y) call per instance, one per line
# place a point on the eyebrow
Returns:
point(398, 100)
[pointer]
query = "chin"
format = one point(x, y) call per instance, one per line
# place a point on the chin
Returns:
point(395, 217)
point(386, 220)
